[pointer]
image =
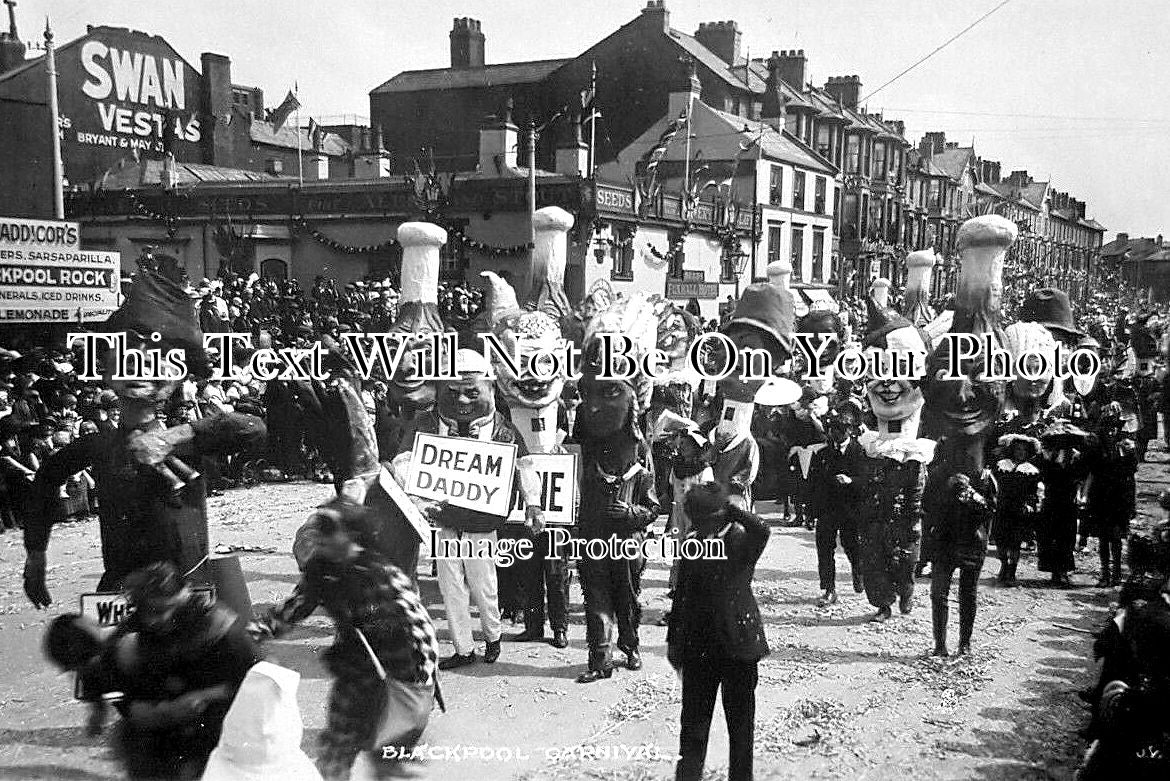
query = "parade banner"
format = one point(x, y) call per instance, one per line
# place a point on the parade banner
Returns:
point(558, 489)
point(46, 278)
point(467, 473)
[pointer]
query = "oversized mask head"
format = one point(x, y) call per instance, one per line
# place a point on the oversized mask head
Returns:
point(535, 339)
point(472, 396)
point(968, 404)
point(1033, 350)
point(894, 346)
point(763, 321)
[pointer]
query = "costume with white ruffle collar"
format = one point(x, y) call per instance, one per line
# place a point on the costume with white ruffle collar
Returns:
point(898, 449)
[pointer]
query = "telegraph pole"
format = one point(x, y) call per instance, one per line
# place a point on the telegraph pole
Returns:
point(54, 128)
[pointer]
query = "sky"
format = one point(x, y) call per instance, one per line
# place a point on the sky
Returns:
point(1073, 91)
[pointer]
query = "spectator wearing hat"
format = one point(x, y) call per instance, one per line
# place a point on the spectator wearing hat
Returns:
point(1111, 491)
point(715, 637)
point(838, 478)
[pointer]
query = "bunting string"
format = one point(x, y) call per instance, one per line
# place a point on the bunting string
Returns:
point(453, 233)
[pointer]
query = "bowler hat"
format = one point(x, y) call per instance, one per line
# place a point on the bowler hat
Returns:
point(1051, 308)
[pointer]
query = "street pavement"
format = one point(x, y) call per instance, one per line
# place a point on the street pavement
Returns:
point(839, 697)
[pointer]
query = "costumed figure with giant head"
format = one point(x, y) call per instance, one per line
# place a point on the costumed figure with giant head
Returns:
point(533, 399)
point(891, 504)
point(339, 424)
point(465, 407)
point(618, 499)
point(961, 410)
point(152, 502)
point(762, 323)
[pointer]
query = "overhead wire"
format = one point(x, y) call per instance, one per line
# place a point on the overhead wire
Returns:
point(938, 49)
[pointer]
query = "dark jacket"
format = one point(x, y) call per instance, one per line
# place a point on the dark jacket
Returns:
point(893, 501)
point(141, 521)
point(831, 501)
point(714, 613)
point(600, 490)
point(957, 525)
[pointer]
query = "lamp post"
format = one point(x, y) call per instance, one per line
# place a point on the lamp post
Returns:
point(55, 130)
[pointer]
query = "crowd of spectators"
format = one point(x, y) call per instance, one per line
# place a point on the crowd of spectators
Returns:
point(44, 406)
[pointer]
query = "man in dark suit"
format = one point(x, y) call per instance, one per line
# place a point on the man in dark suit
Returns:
point(715, 637)
point(837, 486)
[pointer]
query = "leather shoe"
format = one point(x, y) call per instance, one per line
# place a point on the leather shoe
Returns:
point(457, 660)
point(964, 649)
point(882, 616)
point(591, 676)
point(491, 651)
point(940, 650)
point(633, 660)
point(828, 598)
point(560, 639)
point(530, 635)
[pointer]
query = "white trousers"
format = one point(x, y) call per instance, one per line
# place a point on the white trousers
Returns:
point(462, 581)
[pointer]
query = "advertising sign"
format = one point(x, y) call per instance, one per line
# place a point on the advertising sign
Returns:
point(558, 489)
point(467, 473)
point(45, 278)
point(134, 92)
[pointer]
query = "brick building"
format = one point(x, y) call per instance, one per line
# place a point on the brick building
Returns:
point(126, 96)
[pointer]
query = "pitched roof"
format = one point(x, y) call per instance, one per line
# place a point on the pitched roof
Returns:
point(463, 78)
point(718, 135)
point(1092, 224)
point(953, 161)
point(715, 63)
point(148, 173)
point(262, 132)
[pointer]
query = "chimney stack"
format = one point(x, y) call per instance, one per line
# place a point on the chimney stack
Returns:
point(572, 152)
point(792, 67)
point(497, 143)
point(218, 148)
point(467, 47)
point(845, 89)
point(722, 38)
point(774, 108)
point(373, 162)
point(655, 16)
point(1123, 237)
point(932, 143)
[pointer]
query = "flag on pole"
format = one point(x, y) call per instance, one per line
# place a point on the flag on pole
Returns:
point(316, 135)
point(284, 111)
point(655, 154)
